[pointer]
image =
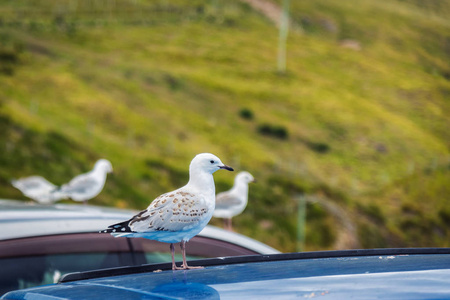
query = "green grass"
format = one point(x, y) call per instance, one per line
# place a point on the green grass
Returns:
point(149, 84)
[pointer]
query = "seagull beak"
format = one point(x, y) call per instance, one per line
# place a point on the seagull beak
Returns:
point(226, 168)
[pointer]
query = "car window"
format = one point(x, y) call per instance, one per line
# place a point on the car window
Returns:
point(28, 262)
point(24, 272)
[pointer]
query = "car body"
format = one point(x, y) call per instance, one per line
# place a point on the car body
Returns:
point(351, 274)
point(40, 243)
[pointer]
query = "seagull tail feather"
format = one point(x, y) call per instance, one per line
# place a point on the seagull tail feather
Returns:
point(118, 229)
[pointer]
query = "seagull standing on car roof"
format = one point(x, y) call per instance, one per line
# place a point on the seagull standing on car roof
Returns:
point(177, 216)
point(39, 189)
point(88, 185)
point(233, 202)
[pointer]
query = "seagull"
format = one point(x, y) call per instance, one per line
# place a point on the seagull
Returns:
point(177, 216)
point(39, 189)
point(86, 186)
point(233, 202)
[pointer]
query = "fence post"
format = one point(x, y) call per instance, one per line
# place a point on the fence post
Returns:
point(301, 220)
point(284, 28)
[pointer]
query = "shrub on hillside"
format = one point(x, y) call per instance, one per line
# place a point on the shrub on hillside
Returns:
point(246, 113)
point(275, 131)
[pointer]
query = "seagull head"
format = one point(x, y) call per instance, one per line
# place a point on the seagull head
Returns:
point(208, 162)
point(104, 165)
point(245, 177)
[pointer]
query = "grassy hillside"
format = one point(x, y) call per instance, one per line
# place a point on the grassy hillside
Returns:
point(149, 84)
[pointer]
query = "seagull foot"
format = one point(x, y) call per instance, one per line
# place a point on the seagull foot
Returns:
point(192, 268)
point(183, 267)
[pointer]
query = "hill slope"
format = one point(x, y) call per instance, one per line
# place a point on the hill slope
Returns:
point(149, 84)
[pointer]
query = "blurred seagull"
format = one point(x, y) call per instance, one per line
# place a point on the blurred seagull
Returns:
point(86, 186)
point(39, 189)
point(179, 215)
point(233, 202)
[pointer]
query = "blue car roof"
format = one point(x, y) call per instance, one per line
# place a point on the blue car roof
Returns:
point(360, 274)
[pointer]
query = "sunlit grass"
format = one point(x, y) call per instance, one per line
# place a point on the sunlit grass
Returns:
point(167, 85)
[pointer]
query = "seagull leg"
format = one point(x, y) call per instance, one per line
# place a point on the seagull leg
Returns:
point(227, 222)
point(185, 266)
point(172, 250)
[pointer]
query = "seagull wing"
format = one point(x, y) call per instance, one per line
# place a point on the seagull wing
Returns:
point(175, 211)
point(226, 200)
point(34, 186)
point(80, 184)
point(33, 182)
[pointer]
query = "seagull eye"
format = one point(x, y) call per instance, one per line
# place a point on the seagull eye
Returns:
point(211, 161)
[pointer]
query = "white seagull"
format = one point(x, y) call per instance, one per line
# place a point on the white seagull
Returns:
point(39, 189)
point(86, 186)
point(233, 202)
point(177, 216)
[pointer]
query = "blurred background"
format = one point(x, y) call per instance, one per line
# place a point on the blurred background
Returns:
point(340, 112)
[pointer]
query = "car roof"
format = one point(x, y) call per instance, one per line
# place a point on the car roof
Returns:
point(25, 219)
point(21, 219)
point(361, 274)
